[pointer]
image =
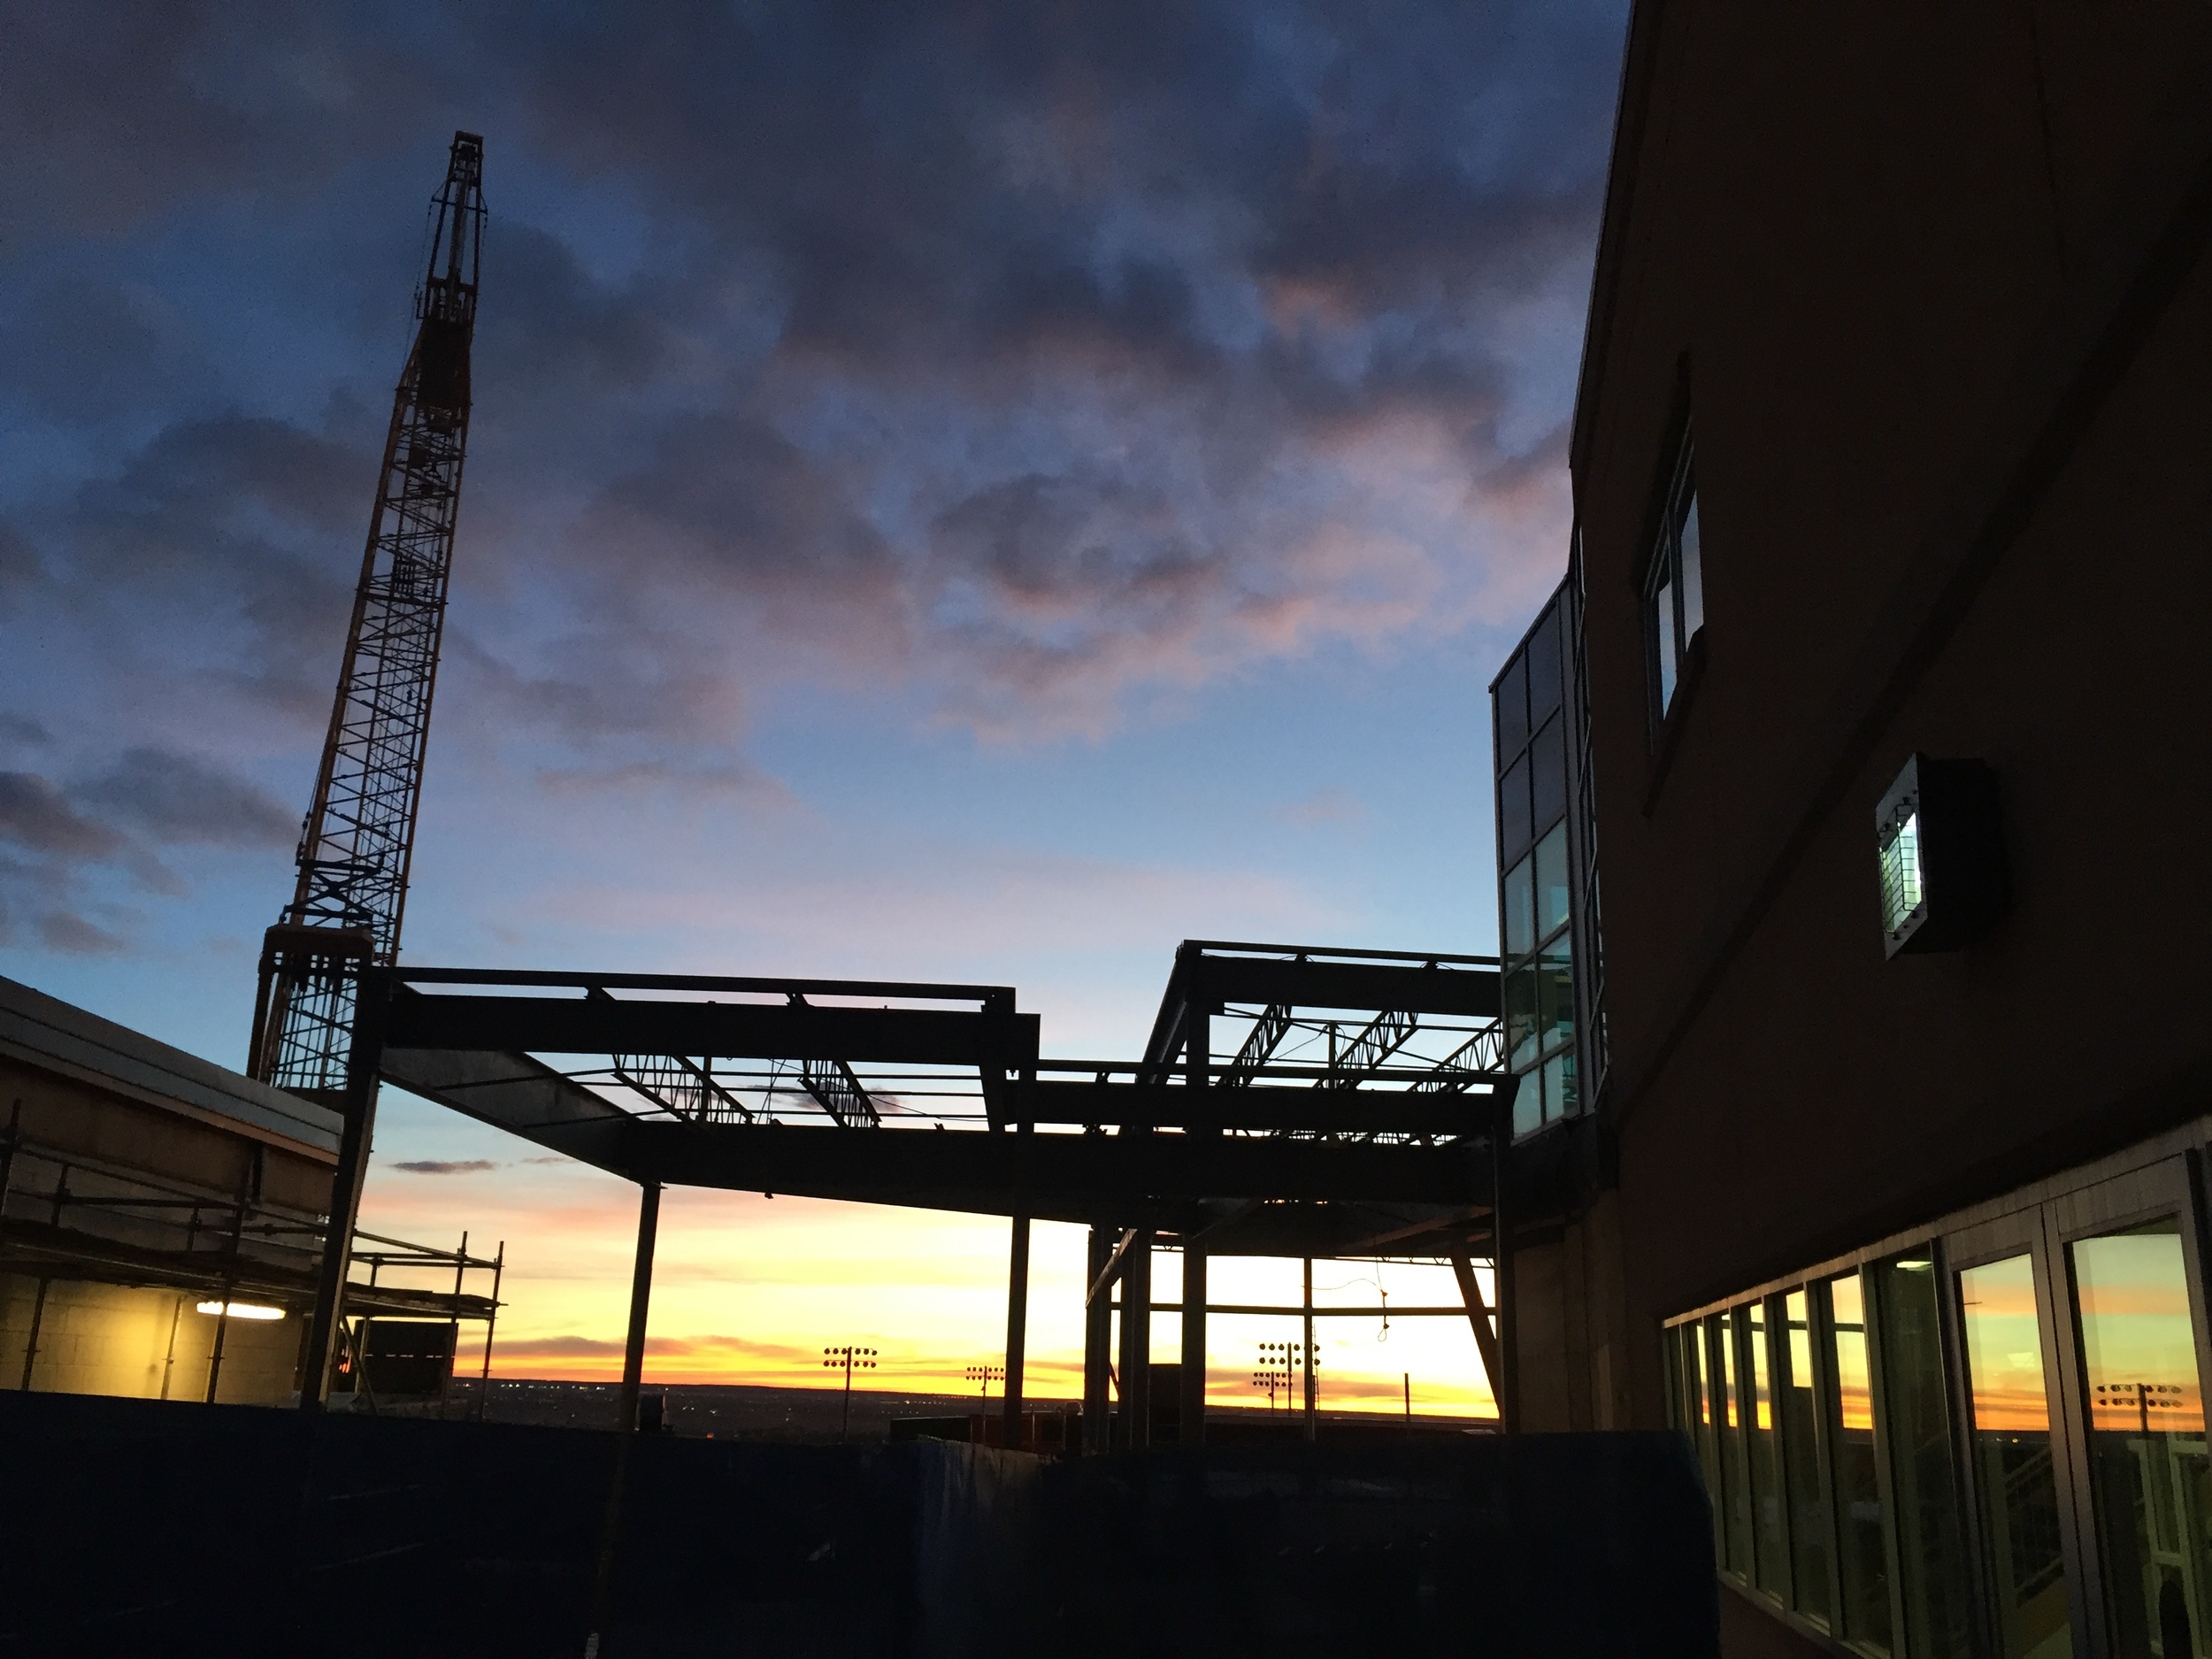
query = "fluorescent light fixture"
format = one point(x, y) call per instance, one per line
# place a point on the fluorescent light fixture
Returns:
point(242, 1309)
point(1941, 856)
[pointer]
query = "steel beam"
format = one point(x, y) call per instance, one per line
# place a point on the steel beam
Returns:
point(1254, 1106)
point(1052, 1177)
point(1479, 1317)
point(562, 1024)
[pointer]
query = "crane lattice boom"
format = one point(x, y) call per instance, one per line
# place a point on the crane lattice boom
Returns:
point(358, 837)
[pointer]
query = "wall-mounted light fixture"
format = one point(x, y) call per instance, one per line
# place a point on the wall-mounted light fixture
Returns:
point(1941, 855)
point(241, 1310)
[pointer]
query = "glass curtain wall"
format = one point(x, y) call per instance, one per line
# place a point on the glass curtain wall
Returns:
point(1931, 1458)
point(1530, 738)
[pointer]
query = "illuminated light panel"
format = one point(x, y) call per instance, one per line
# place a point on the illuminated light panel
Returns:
point(242, 1309)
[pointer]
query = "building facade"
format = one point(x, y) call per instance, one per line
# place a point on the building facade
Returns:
point(161, 1221)
point(1882, 1172)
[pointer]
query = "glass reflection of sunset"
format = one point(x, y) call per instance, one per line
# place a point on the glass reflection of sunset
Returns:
point(2137, 1342)
point(2004, 1350)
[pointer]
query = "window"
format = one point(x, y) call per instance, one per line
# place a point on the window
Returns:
point(2009, 1424)
point(1923, 1496)
point(1771, 1551)
point(1861, 1546)
point(2146, 1450)
point(1536, 892)
point(1674, 587)
point(1804, 1473)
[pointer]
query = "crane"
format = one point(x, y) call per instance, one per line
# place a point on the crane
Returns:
point(357, 838)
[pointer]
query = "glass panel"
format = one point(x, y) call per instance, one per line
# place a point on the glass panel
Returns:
point(1548, 761)
point(1520, 1016)
point(1923, 1496)
point(1771, 1552)
point(1555, 994)
point(1734, 1496)
point(1513, 809)
point(1693, 568)
point(1551, 882)
point(1559, 1087)
point(1858, 1481)
point(2146, 1453)
point(1663, 646)
point(2013, 1472)
point(1708, 1430)
point(1902, 884)
point(1512, 705)
point(1809, 1488)
point(1545, 681)
point(1520, 909)
point(1679, 1412)
point(1528, 1103)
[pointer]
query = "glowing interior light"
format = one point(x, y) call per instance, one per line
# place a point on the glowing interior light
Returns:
point(1901, 886)
point(242, 1309)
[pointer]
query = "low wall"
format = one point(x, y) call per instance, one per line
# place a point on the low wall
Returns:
point(138, 1526)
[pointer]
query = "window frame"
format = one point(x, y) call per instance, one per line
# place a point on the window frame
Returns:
point(1667, 646)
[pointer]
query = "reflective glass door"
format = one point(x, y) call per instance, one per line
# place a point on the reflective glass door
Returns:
point(2131, 1274)
point(2014, 1469)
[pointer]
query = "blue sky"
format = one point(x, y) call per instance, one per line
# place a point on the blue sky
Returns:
point(954, 491)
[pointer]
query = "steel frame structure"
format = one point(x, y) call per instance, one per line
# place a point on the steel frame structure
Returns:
point(1357, 1111)
point(357, 839)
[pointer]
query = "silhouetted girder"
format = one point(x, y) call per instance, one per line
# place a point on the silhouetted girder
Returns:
point(1348, 1228)
point(679, 1085)
point(1139, 1105)
point(549, 1025)
point(1260, 1042)
point(1052, 1177)
point(1387, 1032)
point(838, 1092)
point(1204, 980)
point(834, 1087)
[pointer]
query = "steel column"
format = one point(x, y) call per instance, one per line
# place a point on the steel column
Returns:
point(1507, 1382)
point(648, 1216)
point(372, 1000)
point(1479, 1317)
point(1016, 1330)
point(1134, 1430)
point(1193, 1404)
point(1312, 1398)
point(1098, 1335)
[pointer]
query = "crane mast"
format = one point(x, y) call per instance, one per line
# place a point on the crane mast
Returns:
point(357, 839)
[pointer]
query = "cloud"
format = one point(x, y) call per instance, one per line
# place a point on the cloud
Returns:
point(1329, 805)
point(57, 841)
point(1026, 372)
point(445, 1166)
point(37, 815)
point(178, 799)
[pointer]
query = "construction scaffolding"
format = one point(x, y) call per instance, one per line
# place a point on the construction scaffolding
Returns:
point(68, 1218)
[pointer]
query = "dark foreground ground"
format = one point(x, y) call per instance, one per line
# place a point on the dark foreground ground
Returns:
point(140, 1527)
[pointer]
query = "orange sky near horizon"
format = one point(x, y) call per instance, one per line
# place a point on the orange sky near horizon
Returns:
point(748, 1289)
